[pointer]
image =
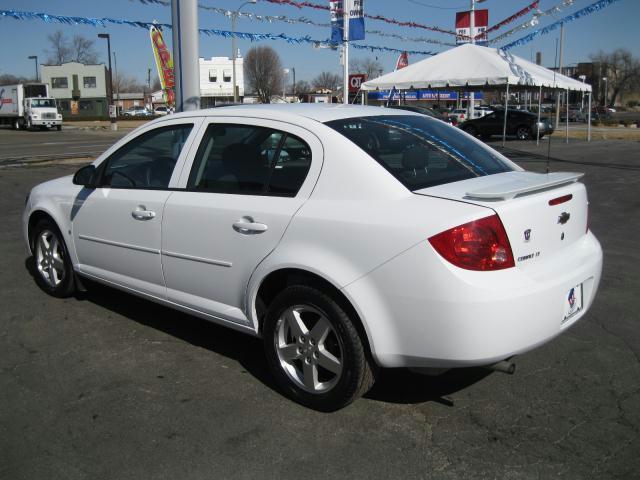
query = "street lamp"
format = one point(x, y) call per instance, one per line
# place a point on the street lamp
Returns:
point(606, 90)
point(583, 78)
point(234, 53)
point(35, 57)
point(112, 118)
point(285, 71)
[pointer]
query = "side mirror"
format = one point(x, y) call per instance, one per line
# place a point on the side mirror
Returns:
point(86, 176)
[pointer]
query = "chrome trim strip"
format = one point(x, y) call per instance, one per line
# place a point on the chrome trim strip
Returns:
point(120, 244)
point(182, 256)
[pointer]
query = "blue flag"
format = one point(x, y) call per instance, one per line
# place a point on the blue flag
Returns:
point(356, 20)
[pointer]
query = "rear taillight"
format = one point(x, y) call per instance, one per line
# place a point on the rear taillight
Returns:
point(478, 245)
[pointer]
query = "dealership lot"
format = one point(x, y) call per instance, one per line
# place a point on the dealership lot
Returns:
point(111, 386)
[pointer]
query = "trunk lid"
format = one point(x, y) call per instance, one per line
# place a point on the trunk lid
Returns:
point(543, 214)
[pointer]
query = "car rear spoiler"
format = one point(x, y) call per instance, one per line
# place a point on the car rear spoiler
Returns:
point(523, 183)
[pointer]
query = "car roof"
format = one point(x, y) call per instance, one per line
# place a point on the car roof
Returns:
point(318, 112)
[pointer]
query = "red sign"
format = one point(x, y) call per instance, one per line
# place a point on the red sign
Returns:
point(355, 80)
point(463, 27)
point(403, 61)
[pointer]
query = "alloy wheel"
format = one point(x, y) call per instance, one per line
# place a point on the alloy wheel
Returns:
point(522, 133)
point(308, 349)
point(50, 258)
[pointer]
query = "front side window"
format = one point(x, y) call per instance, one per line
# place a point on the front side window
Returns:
point(89, 82)
point(59, 82)
point(147, 161)
point(420, 151)
point(249, 160)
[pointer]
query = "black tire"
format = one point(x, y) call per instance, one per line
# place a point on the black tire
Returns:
point(485, 137)
point(66, 285)
point(523, 132)
point(59, 127)
point(357, 373)
point(471, 130)
point(18, 124)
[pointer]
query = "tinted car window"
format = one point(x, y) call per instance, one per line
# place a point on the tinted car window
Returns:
point(419, 151)
point(249, 160)
point(148, 160)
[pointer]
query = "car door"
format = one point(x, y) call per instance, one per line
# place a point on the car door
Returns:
point(116, 226)
point(247, 180)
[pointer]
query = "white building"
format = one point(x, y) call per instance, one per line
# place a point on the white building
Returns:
point(216, 82)
point(81, 90)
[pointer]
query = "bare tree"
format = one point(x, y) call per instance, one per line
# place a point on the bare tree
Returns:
point(263, 71)
point(124, 83)
point(622, 71)
point(327, 81)
point(59, 51)
point(82, 50)
point(371, 66)
point(9, 79)
point(302, 86)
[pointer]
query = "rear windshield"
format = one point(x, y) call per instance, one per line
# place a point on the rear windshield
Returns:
point(420, 151)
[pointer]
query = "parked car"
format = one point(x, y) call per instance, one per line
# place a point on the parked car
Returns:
point(427, 111)
point(520, 123)
point(160, 111)
point(345, 247)
point(460, 114)
point(137, 112)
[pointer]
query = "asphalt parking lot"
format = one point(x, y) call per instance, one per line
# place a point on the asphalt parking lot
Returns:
point(110, 386)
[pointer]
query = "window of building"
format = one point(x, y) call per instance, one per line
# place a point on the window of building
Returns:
point(213, 75)
point(226, 75)
point(85, 105)
point(59, 82)
point(64, 105)
point(89, 82)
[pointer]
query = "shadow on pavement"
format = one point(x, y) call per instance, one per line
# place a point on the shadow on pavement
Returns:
point(392, 386)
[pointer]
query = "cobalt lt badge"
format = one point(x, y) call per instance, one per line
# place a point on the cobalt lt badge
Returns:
point(527, 235)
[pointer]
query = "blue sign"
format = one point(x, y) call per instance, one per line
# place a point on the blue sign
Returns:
point(413, 95)
point(356, 20)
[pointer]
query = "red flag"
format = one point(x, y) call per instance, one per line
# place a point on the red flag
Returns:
point(403, 61)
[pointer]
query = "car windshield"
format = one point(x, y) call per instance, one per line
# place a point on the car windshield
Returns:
point(420, 151)
point(43, 103)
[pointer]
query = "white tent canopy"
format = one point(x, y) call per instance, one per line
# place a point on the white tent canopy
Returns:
point(473, 66)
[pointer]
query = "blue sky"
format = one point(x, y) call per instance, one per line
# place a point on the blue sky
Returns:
point(613, 27)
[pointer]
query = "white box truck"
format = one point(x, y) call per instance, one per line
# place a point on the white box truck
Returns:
point(28, 105)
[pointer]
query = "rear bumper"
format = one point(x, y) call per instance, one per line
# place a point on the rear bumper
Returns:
point(420, 311)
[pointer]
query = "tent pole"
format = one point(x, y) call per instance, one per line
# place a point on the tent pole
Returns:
point(566, 130)
point(589, 118)
point(539, 113)
point(506, 107)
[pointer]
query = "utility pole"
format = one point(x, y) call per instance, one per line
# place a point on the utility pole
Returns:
point(346, 6)
point(115, 67)
point(472, 33)
point(560, 72)
point(184, 19)
point(234, 51)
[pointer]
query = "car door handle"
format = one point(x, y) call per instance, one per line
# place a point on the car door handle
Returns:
point(247, 226)
point(141, 213)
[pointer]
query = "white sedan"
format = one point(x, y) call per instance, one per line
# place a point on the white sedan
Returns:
point(347, 237)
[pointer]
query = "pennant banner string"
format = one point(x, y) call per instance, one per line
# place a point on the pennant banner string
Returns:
point(535, 20)
point(594, 7)
point(290, 20)
point(393, 21)
point(254, 37)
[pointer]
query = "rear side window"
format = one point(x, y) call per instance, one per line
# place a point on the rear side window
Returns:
point(420, 151)
point(249, 160)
